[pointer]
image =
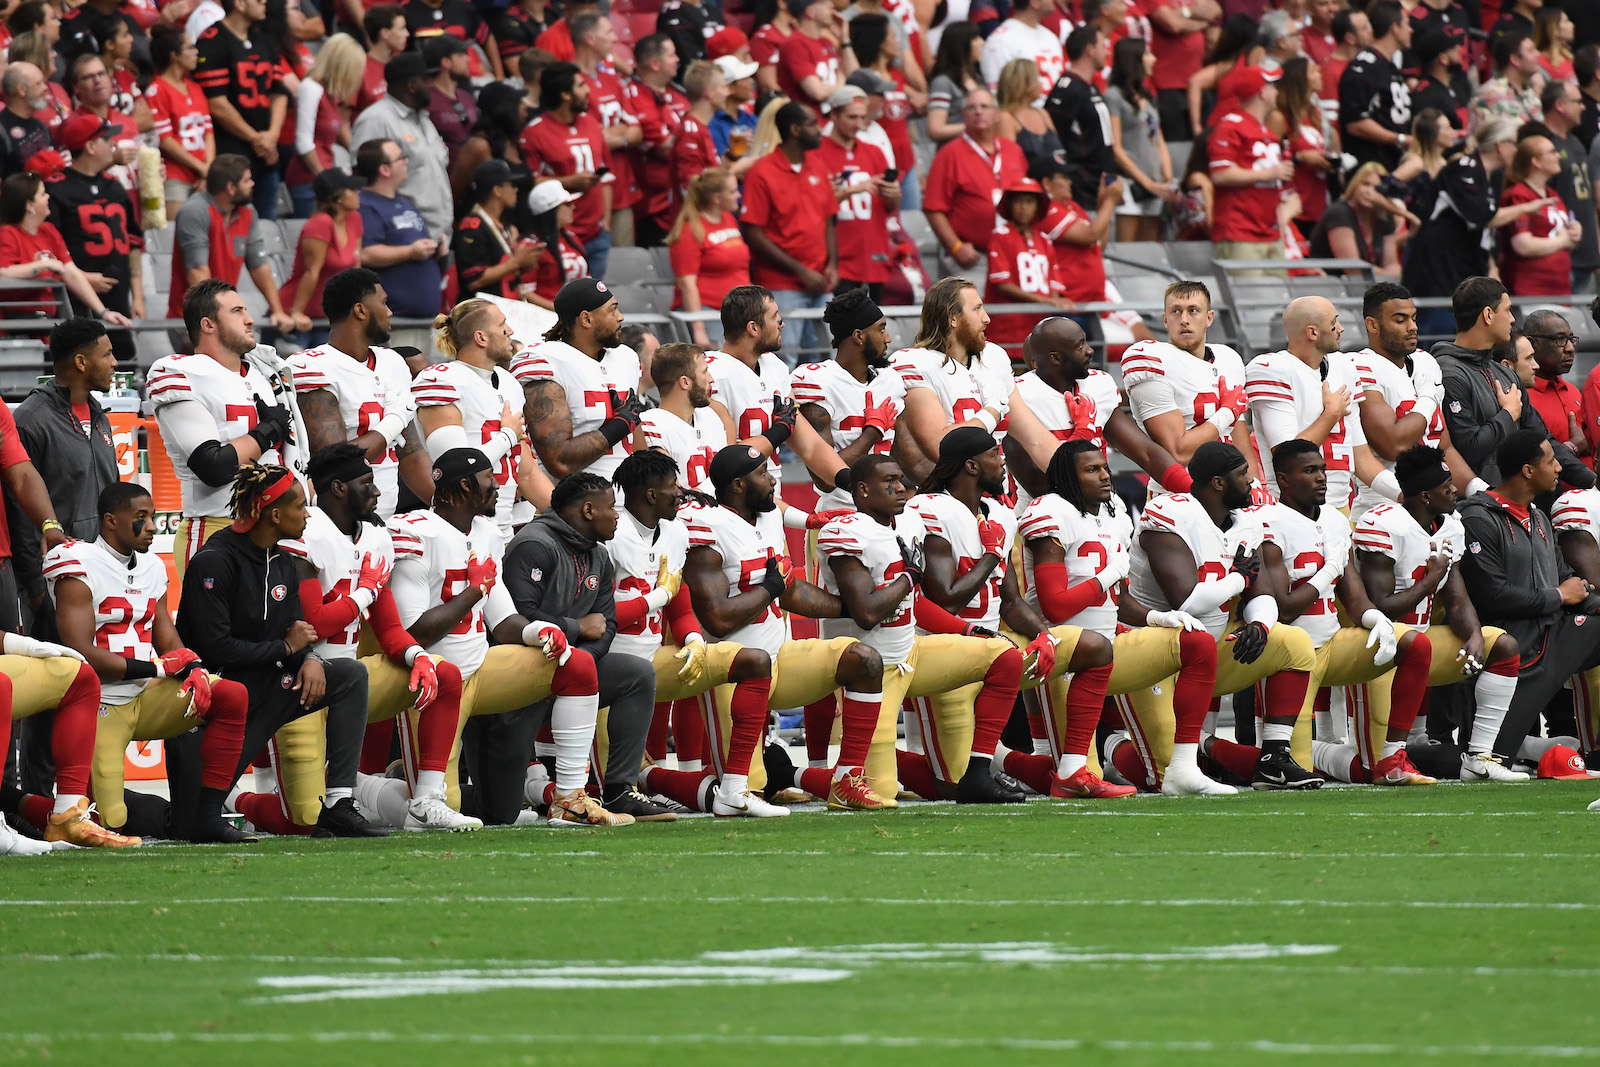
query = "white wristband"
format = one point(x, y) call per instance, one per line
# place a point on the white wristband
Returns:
point(392, 427)
point(1223, 419)
point(410, 655)
point(1387, 485)
point(988, 419)
point(657, 598)
point(1425, 406)
point(794, 519)
point(1262, 609)
point(364, 599)
point(1323, 581)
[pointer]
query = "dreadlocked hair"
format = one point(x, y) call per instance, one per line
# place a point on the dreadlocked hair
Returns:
point(642, 470)
point(944, 472)
point(1062, 474)
point(453, 330)
point(248, 485)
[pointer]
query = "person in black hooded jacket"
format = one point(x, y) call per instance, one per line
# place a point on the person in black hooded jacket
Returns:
point(1519, 581)
point(241, 614)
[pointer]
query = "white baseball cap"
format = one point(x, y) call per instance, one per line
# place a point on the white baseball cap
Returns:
point(735, 69)
point(549, 195)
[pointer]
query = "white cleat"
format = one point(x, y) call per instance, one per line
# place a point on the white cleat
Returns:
point(430, 812)
point(1189, 781)
point(1108, 769)
point(1594, 805)
point(745, 804)
point(1487, 767)
point(533, 786)
point(14, 844)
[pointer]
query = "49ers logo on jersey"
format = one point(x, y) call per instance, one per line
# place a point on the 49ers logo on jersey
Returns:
point(279, 592)
point(591, 582)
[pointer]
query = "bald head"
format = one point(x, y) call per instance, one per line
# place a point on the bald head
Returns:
point(1311, 324)
point(1061, 351)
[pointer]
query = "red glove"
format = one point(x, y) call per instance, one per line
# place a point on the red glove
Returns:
point(482, 573)
point(374, 573)
point(424, 680)
point(993, 536)
point(786, 568)
point(198, 686)
point(1045, 646)
point(1234, 400)
point(179, 663)
point(1081, 410)
point(547, 637)
point(818, 519)
point(882, 416)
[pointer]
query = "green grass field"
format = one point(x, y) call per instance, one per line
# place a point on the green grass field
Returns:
point(1460, 922)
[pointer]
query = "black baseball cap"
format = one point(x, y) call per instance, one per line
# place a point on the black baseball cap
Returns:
point(580, 295)
point(734, 461)
point(458, 464)
point(435, 50)
point(331, 180)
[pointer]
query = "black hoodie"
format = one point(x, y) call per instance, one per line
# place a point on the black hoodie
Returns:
point(1513, 572)
point(238, 603)
point(556, 574)
point(1478, 424)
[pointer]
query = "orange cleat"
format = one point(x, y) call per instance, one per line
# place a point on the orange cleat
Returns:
point(577, 808)
point(1081, 783)
point(1399, 770)
point(76, 828)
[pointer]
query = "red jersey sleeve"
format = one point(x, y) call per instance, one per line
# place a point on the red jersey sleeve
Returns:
point(936, 196)
point(757, 206)
point(11, 450)
point(686, 252)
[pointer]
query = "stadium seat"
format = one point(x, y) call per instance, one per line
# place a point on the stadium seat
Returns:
point(1152, 254)
point(630, 266)
point(159, 240)
point(917, 228)
point(1317, 285)
point(273, 239)
point(661, 258)
point(291, 230)
point(1191, 257)
point(1140, 288)
point(636, 299)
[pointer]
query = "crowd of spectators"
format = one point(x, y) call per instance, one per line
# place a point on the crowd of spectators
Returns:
point(468, 147)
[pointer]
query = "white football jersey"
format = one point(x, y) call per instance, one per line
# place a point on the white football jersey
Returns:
point(430, 568)
point(1378, 375)
point(692, 446)
point(1306, 545)
point(1389, 530)
point(1286, 397)
point(1089, 542)
point(845, 399)
point(1578, 509)
point(1160, 377)
point(228, 398)
point(481, 397)
point(744, 549)
point(747, 394)
point(126, 593)
point(1212, 548)
point(1049, 406)
point(587, 384)
point(367, 390)
point(639, 556)
point(338, 563)
point(877, 547)
point(942, 515)
point(959, 388)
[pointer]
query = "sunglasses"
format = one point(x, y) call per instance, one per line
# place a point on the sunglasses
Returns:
point(1561, 340)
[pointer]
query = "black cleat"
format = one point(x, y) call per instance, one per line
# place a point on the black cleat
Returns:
point(1276, 769)
point(219, 831)
point(632, 802)
point(979, 786)
point(343, 820)
point(780, 770)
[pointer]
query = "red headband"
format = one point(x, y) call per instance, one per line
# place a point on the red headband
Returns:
point(271, 493)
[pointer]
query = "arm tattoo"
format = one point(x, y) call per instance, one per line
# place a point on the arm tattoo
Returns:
point(324, 425)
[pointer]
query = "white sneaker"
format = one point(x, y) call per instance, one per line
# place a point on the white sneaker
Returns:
point(1108, 769)
point(430, 812)
point(746, 804)
point(1189, 781)
point(1487, 767)
point(14, 844)
point(1595, 806)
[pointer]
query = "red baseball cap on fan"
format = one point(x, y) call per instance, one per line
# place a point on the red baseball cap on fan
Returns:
point(1244, 82)
point(726, 42)
point(82, 128)
point(1562, 761)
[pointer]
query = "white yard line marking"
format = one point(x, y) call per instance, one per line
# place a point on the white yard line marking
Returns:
point(1041, 1044)
point(1470, 905)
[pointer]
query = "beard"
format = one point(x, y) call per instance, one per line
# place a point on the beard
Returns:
point(877, 358)
point(773, 344)
point(991, 486)
point(608, 340)
point(376, 335)
point(239, 342)
point(699, 396)
point(1233, 499)
point(762, 504)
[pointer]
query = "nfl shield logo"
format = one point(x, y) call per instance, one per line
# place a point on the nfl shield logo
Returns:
point(537, 574)
point(1475, 548)
point(1455, 407)
point(210, 582)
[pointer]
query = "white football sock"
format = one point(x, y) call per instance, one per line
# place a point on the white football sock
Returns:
point(429, 782)
point(572, 722)
point(1330, 723)
point(1419, 730)
point(263, 780)
point(1185, 755)
point(733, 785)
point(1391, 747)
point(1070, 763)
point(1494, 693)
point(381, 800)
point(1277, 731)
point(691, 765)
point(1041, 746)
point(1333, 760)
point(66, 802)
point(334, 794)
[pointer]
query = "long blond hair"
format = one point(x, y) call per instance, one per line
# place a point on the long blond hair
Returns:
point(939, 307)
point(704, 188)
point(1018, 84)
point(338, 67)
point(463, 320)
point(766, 136)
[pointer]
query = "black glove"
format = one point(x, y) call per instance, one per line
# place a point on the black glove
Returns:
point(1247, 565)
point(625, 412)
point(772, 581)
point(1249, 641)
point(274, 425)
point(784, 416)
point(843, 481)
point(695, 496)
point(911, 560)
